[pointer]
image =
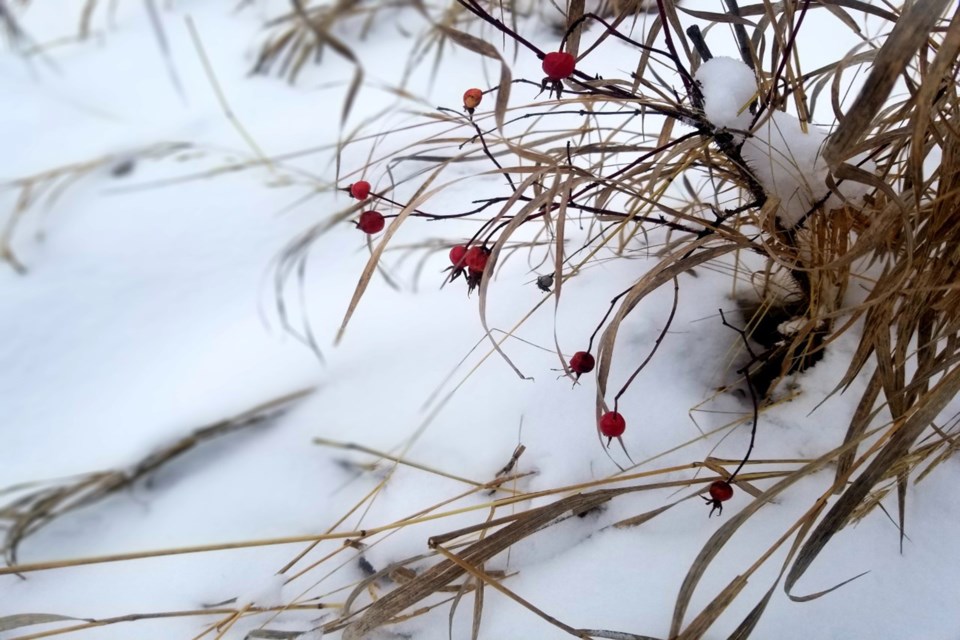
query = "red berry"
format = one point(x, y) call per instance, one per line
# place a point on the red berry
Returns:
point(472, 99)
point(457, 254)
point(582, 362)
point(612, 424)
point(371, 222)
point(558, 65)
point(476, 258)
point(721, 491)
point(360, 190)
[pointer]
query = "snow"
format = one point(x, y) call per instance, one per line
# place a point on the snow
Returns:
point(784, 155)
point(268, 593)
point(147, 312)
point(728, 87)
point(788, 162)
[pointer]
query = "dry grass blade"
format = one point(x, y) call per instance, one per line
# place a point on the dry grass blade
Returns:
point(910, 33)
point(515, 527)
point(29, 619)
point(698, 626)
point(614, 635)
point(605, 154)
point(350, 446)
point(325, 37)
point(430, 581)
point(418, 198)
point(575, 12)
point(745, 628)
point(483, 578)
point(899, 445)
point(94, 623)
point(11, 29)
point(476, 45)
point(157, 24)
point(861, 419)
point(517, 220)
point(725, 533)
point(221, 96)
point(28, 513)
point(946, 57)
point(43, 189)
point(666, 271)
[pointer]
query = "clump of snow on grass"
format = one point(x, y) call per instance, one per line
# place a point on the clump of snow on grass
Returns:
point(784, 158)
point(728, 86)
point(788, 163)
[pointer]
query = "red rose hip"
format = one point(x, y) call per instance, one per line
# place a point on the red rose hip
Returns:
point(720, 492)
point(476, 258)
point(457, 255)
point(558, 65)
point(582, 362)
point(360, 190)
point(472, 99)
point(371, 222)
point(612, 424)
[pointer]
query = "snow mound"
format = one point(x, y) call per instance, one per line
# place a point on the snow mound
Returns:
point(728, 87)
point(784, 158)
point(788, 163)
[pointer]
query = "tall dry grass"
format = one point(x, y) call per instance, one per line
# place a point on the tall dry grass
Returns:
point(622, 175)
point(636, 139)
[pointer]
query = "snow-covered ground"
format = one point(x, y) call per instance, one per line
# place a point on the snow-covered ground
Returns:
point(147, 311)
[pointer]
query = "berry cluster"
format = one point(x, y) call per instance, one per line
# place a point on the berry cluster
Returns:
point(470, 262)
point(370, 222)
point(471, 258)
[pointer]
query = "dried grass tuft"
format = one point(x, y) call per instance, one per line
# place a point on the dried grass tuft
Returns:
point(611, 154)
point(617, 172)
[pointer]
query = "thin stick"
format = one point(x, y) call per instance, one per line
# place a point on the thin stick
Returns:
point(753, 394)
point(135, 617)
point(656, 344)
point(176, 551)
point(350, 446)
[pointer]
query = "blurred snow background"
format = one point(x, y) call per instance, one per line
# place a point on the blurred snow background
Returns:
point(147, 311)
